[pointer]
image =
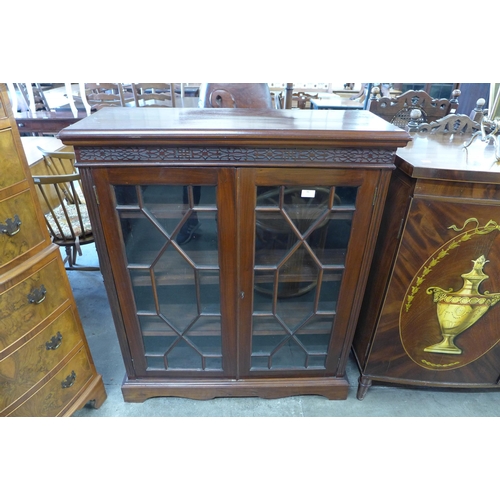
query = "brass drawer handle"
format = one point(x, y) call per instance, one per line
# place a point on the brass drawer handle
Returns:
point(37, 295)
point(11, 226)
point(69, 381)
point(54, 342)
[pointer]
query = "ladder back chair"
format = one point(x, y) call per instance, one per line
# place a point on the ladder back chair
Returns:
point(154, 94)
point(95, 96)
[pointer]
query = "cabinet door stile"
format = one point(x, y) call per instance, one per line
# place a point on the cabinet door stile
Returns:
point(358, 260)
point(119, 287)
point(228, 262)
point(246, 245)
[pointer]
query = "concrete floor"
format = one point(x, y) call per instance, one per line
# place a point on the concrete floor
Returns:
point(381, 401)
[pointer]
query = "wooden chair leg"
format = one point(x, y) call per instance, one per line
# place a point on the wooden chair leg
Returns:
point(68, 256)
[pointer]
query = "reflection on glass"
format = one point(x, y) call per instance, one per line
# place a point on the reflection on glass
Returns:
point(174, 271)
point(301, 242)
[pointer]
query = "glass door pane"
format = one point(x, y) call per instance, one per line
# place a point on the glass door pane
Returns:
point(301, 240)
point(171, 248)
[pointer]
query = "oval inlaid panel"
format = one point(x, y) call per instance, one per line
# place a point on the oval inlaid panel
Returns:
point(455, 329)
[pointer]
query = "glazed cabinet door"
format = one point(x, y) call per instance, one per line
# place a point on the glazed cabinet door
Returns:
point(303, 241)
point(173, 271)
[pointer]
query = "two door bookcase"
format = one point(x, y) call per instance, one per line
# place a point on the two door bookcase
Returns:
point(235, 244)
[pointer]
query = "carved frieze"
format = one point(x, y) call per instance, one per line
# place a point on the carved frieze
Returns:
point(235, 155)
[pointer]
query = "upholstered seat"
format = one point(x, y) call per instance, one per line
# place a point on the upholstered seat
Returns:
point(65, 221)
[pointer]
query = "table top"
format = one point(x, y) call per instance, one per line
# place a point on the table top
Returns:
point(336, 103)
point(49, 115)
point(45, 121)
point(443, 156)
point(263, 127)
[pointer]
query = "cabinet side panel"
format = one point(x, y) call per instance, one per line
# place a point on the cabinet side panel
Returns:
point(391, 228)
point(90, 191)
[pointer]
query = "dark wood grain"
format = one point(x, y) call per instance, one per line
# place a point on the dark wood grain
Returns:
point(46, 122)
point(216, 127)
point(238, 151)
point(438, 186)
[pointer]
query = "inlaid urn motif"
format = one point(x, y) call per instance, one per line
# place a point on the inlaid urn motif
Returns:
point(458, 311)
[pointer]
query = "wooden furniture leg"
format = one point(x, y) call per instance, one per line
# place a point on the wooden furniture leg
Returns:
point(364, 384)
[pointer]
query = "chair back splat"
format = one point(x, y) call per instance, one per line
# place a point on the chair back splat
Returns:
point(154, 94)
point(397, 110)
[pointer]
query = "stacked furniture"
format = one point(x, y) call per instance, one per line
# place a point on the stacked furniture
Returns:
point(46, 368)
point(430, 315)
point(234, 243)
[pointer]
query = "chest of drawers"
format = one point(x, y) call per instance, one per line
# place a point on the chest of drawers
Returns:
point(46, 367)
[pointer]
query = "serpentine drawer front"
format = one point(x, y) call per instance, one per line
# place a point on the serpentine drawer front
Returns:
point(19, 230)
point(29, 364)
point(31, 297)
point(53, 397)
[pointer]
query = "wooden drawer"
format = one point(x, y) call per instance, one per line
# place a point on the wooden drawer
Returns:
point(3, 114)
point(17, 314)
point(27, 366)
point(11, 166)
point(54, 396)
point(25, 234)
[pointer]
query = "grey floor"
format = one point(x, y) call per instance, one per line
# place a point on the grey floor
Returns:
point(381, 401)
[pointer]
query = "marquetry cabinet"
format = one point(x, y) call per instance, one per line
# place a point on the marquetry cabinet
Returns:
point(235, 243)
point(430, 315)
point(46, 368)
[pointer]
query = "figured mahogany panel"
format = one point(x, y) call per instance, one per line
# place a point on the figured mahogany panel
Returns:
point(391, 230)
point(441, 244)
